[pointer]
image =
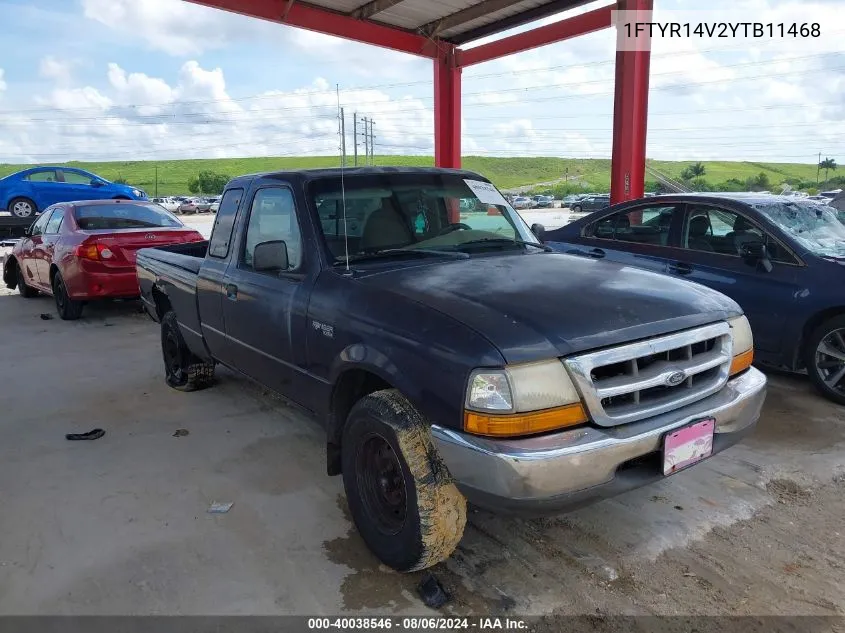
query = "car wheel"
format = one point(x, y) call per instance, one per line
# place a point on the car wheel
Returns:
point(400, 494)
point(25, 291)
point(182, 369)
point(68, 309)
point(576, 208)
point(824, 357)
point(23, 208)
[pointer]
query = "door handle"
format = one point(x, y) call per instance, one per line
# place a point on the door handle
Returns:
point(680, 268)
point(596, 253)
point(231, 292)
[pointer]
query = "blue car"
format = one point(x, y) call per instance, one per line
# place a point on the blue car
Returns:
point(28, 192)
point(779, 257)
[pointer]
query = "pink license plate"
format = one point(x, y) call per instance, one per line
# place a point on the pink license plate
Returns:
point(688, 445)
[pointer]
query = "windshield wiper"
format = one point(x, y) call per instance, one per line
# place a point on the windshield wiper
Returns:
point(505, 240)
point(399, 252)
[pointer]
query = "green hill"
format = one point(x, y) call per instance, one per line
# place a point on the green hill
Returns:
point(172, 176)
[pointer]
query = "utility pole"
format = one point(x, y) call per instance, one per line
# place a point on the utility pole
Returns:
point(355, 135)
point(372, 143)
point(342, 138)
point(818, 168)
point(366, 145)
point(156, 185)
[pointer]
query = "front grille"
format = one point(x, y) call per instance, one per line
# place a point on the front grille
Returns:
point(639, 380)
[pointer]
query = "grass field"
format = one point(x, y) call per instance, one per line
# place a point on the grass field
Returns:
point(170, 177)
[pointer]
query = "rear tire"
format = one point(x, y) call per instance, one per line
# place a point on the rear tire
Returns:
point(23, 208)
point(824, 357)
point(68, 309)
point(401, 496)
point(25, 291)
point(576, 208)
point(183, 370)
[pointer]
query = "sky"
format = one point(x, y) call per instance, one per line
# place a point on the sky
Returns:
point(164, 79)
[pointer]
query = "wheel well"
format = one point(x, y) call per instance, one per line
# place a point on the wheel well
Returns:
point(121, 198)
point(162, 302)
point(53, 270)
point(812, 323)
point(350, 387)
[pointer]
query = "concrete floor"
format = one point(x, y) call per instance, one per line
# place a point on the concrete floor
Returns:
point(119, 525)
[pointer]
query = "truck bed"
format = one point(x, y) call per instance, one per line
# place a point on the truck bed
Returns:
point(185, 256)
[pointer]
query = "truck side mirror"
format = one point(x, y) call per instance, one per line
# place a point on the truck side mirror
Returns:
point(270, 256)
point(756, 253)
point(539, 231)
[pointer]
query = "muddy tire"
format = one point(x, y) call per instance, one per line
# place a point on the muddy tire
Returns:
point(68, 309)
point(824, 357)
point(25, 291)
point(182, 370)
point(401, 496)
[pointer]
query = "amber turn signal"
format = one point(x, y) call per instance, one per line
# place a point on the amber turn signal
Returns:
point(741, 362)
point(518, 424)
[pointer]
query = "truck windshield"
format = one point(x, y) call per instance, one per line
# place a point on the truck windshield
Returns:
point(123, 216)
point(814, 226)
point(433, 212)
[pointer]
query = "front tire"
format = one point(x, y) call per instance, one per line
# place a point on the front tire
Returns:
point(68, 309)
point(183, 370)
point(22, 208)
point(25, 291)
point(576, 208)
point(824, 357)
point(401, 496)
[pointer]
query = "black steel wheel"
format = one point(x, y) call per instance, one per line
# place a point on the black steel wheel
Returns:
point(68, 309)
point(183, 371)
point(381, 484)
point(825, 358)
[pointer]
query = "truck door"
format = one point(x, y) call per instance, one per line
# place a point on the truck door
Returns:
point(265, 310)
point(210, 281)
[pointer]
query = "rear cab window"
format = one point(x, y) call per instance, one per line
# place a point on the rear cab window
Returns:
point(224, 222)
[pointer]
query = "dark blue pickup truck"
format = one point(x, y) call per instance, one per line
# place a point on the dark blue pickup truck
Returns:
point(779, 257)
point(449, 354)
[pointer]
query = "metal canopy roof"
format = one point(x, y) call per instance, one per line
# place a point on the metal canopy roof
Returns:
point(454, 21)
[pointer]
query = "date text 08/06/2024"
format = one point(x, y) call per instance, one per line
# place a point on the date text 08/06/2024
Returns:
point(417, 623)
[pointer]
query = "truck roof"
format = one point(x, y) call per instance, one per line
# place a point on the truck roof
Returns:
point(335, 172)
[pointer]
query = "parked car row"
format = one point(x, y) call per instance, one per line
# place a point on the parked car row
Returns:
point(188, 206)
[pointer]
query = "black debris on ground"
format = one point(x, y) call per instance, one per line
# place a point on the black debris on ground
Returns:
point(432, 592)
point(93, 434)
point(181, 433)
point(46, 316)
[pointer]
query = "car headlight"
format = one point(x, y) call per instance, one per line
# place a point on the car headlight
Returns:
point(137, 193)
point(743, 344)
point(522, 400)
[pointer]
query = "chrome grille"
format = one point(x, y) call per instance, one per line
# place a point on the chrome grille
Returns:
point(635, 381)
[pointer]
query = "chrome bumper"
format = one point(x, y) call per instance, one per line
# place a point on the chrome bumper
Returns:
point(550, 473)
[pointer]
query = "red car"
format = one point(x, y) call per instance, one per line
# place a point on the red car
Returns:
point(80, 251)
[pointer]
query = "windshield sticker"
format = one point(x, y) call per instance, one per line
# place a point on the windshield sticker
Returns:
point(487, 193)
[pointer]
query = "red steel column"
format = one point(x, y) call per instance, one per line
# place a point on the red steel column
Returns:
point(630, 117)
point(447, 109)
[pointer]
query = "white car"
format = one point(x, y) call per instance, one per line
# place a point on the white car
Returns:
point(168, 204)
point(522, 202)
point(215, 204)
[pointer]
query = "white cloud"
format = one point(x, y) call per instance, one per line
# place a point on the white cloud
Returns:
point(2, 82)
point(52, 68)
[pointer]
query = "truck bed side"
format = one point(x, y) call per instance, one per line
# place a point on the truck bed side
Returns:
point(167, 277)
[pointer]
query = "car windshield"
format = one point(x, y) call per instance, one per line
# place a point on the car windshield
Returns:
point(812, 225)
point(400, 214)
point(123, 216)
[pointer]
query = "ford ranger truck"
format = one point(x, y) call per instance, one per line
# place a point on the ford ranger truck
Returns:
point(448, 354)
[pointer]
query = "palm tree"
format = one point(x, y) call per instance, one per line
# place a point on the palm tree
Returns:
point(827, 164)
point(697, 170)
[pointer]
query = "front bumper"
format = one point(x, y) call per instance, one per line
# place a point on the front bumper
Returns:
point(562, 471)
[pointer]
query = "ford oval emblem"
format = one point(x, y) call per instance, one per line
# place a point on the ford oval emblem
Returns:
point(673, 380)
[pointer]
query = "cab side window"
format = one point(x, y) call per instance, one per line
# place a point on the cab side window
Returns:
point(642, 225)
point(273, 217)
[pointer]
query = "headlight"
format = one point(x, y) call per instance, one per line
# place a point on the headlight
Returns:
point(137, 193)
point(743, 344)
point(522, 400)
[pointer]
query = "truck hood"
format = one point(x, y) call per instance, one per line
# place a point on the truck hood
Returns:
point(538, 306)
